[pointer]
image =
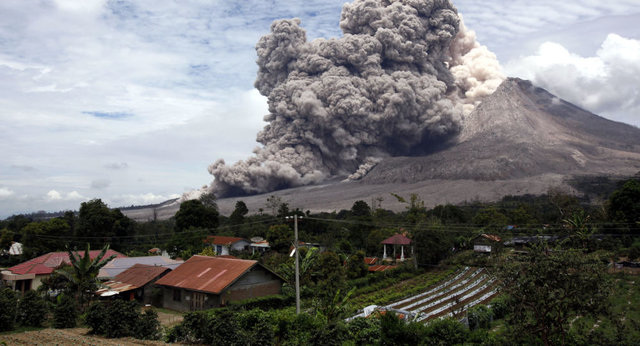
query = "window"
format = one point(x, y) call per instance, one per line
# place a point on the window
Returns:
point(177, 294)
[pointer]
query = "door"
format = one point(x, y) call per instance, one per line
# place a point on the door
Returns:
point(197, 301)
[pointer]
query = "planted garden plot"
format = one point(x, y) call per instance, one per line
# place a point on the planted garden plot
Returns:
point(467, 288)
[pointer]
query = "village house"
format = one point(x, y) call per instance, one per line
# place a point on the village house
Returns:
point(134, 283)
point(204, 282)
point(29, 275)
point(223, 245)
point(486, 243)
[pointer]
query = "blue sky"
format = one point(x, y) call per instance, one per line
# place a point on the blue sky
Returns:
point(129, 101)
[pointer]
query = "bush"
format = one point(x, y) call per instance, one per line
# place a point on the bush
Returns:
point(394, 331)
point(255, 328)
point(263, 303)
point(480, 317)
point(8, 300)
point(500, 307)
point(32, 310)
point(148, 328)
point(65, 313)
point(364, 331)
point(119, 318)
point(446, 331)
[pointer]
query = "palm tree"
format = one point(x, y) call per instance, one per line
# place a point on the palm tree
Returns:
point(82, 273)
point(579, 224)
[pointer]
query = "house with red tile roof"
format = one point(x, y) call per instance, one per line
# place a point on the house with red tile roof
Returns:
point(135, 282)
point(223, 245)
point(204, 282)
point(28, 275)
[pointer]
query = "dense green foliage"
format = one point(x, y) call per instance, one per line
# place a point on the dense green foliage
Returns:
point(118, 318)
point(548, 286)
point(65, 312)
point(8, 302)
point(32, 309)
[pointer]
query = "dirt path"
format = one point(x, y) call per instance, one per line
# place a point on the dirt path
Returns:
point(73, 336)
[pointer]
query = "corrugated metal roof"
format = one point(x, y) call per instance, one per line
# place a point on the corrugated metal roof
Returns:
point(136, 276)
point(370, 260)
point(118, 265)
point(140, 274)
point(491, 237)
point(397, 239)
point(207, 274)
point(380, 268)
point(47, 263)
point(222, 240)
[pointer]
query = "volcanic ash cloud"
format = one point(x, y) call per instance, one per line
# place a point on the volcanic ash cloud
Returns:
point(397, 82)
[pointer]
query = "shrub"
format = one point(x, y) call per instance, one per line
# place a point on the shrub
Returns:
point(65, 313)
point(255, 327)
point(148, 328)
point(8, 300)
point(500, 307)
point(446, 331)
point(32, 309)
point(364, 331)
point(118, 318)
point(480, 317)
point(394, 331)
point(264, 303)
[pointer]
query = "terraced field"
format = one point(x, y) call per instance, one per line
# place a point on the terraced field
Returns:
point(469, 287)
point(465, 289)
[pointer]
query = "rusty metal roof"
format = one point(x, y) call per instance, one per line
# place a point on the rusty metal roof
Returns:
point(135, 277)
point(370, 260)
point(140, 274)
point(207, 274)
point(380, 268)
point(491, 237)
point(222, 240)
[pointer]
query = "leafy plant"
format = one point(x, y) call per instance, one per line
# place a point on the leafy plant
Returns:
point(65, 313)
point(8, 300)
point(32, 309)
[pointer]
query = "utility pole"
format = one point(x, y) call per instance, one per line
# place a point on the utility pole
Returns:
point(295, 245)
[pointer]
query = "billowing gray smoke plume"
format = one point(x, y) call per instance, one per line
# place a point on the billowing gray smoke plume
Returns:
point(337, 106)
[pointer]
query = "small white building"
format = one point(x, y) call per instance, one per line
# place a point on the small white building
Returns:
point(15, 249)
point(223, 245)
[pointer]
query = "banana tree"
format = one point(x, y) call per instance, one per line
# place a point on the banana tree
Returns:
point(82, 274)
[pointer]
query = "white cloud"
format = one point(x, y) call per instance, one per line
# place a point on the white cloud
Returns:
point(4, 192)
point(54, 195)
point(141, 199)
point(607, 84)
point(74, 196)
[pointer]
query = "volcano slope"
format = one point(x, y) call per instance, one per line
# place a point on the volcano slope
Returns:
point(519, 140)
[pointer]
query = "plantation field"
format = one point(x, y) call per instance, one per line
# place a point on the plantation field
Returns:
point(74, 336)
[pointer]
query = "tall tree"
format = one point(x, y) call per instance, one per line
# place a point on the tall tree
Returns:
point(238, 214)
point(194, 214)
point(624, 205)
point(549, 287)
